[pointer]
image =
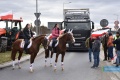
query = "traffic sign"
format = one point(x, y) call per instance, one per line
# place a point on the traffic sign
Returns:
point(37, 22)
point(104, 22)
point(37, 15)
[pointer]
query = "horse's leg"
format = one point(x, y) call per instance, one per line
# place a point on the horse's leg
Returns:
point(46, 56)
point(57, 54)
point(62, 60)
point(13, 55)
point(33, 55)
point(51, 59)
point(19, 57)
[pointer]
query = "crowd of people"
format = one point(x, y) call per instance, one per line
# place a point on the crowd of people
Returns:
point(108, 43)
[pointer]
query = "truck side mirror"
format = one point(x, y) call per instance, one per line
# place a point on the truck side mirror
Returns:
point(92, 25)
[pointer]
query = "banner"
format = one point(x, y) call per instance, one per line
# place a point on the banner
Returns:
point(99, 33)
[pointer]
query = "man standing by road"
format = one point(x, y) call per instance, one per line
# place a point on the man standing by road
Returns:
point(110, 47)
point(96, 51)
point(88, 44)
point(116, 37)
point(117, 43)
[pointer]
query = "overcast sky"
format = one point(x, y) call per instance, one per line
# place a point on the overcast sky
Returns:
point(52, 10)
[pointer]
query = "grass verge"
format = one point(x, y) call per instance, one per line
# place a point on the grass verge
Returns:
point(5, 57)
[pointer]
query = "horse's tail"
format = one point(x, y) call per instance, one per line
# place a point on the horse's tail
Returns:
point(14, 49)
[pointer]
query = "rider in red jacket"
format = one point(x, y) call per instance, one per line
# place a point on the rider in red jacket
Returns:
point(55, 31)
point(55, 34)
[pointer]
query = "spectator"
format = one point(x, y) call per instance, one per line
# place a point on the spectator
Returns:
point(21, 35)
point(117, 43)
point(88, 43)
point(110, 47)
point(116, 37)
point(96, 51)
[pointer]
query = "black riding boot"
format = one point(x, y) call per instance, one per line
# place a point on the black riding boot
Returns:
point(25, 46)
point(53, 45)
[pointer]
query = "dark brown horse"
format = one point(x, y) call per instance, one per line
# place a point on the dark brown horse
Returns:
point(33, 50)
point(60, 48)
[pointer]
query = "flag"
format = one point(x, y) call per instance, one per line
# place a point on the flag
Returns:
point(99, 33)
point(6, 15)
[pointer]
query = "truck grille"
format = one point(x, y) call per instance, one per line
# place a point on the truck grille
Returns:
point(76, 35)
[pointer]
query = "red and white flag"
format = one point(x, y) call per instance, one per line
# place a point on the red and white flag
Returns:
point(6, 15)
point(99, 33)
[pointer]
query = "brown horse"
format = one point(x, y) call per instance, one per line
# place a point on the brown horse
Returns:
point(33, 50)
point(60, 48)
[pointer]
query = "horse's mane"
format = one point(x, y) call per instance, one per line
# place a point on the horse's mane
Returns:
point(63, 36)
point(39, 36)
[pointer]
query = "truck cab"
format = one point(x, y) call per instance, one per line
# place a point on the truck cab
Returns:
point(79, 21)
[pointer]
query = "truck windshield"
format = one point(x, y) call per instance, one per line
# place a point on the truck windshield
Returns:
point(78, 26)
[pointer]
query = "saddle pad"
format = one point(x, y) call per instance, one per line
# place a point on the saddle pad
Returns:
point(51, 42)
point(23, 43)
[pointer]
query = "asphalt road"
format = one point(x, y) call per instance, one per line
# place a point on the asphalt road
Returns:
point(76, 64)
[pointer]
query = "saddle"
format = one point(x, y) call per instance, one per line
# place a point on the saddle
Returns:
point(53, 44)
point(25, 45)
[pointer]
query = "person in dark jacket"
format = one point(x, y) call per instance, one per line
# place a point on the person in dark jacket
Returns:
point(21, 34)
point(117, 43)
point(116, 37)
point(27, 32)
point(96, 51)
point(14, 32)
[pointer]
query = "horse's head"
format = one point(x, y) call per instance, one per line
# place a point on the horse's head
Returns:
point(70, 38)
point(41, 39)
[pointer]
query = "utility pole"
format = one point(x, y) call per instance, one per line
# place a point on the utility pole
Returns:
point(37, 22)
